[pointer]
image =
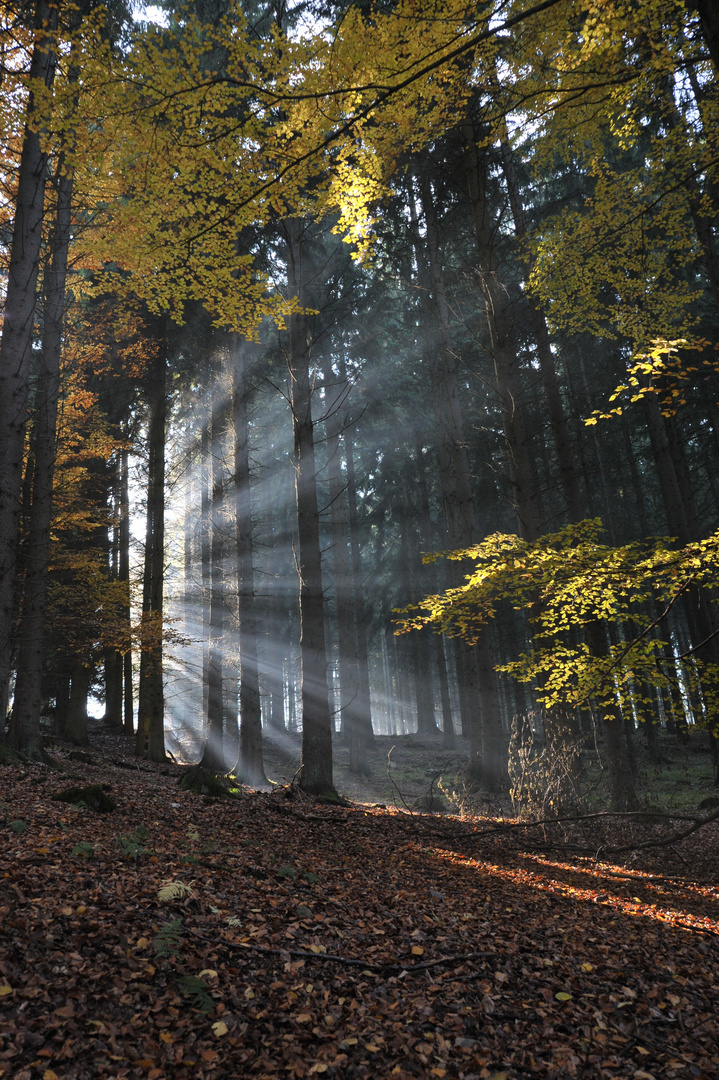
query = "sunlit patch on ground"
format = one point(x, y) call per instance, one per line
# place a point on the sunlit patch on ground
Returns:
point(601, 891)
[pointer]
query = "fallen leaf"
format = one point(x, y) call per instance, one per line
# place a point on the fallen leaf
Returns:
point(220, 1028)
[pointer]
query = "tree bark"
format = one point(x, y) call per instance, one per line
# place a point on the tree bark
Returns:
point(213, 755)
point(348, 652)
point(128, 719)
point(76, 723)
point(251, 768)
point(150, 737)
point(113, 658)
point(27, 706)
point(362, 705)
point(17, 331)
point(316, 776)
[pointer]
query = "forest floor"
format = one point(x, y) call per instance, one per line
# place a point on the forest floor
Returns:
point(302, 939)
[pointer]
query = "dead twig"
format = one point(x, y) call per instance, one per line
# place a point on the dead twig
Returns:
point(348, 961)
point(662, 841)
point(389, 775)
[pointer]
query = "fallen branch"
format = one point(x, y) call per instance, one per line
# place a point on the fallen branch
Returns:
point(699, 823)
point(347, 961)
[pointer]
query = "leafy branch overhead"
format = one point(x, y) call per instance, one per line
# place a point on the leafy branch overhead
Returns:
point(569, 580)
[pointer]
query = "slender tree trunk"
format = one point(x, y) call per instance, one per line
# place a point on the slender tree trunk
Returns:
point(128, 719)
point(316, 776)
point(251, 768)
point(17, 331)
point(205, 556)
point(419, 643)
point(113, 657)
point(621, 781)
point(213, 756)
point(25, 726)
point(349, 675)
point(275, 648)
point(362, 706)
point(448, 739)
point(151, 701)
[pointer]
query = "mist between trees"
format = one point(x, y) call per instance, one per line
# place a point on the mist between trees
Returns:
point(314, 291)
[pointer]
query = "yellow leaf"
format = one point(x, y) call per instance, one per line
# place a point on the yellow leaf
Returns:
point(5, 990)
point(641, 1050)
point(67, 911)
point(220, 1028)
point(563, 996)
point(587, 967)
point(142, 943)
point(211, 974)
point(165, 1036)
point(373, 1047)
point(249, 994)
point(303, 1018)
point(417, 950)
point(49, 1075)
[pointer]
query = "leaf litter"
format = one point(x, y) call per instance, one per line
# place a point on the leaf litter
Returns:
point(268, 936)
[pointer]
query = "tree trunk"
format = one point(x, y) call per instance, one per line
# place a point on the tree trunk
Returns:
point(448, 739)
point(316, 776)
point(128, 719)
point(17, 331)
point(213, 756)
point(499, 324)
point(150, 738)
point(251, 768)
point(112, 657)
point(419, 643)
point(25, 725)
point(622, 789)
point(362, 706)
point(275, 648)
point(76, 723)
point(709, 20)
point(550, 383)
point(349, 676)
